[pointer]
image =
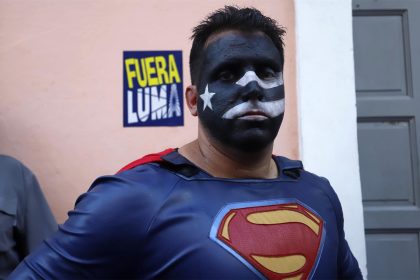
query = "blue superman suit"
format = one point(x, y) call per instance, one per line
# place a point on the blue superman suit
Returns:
point(162, 217)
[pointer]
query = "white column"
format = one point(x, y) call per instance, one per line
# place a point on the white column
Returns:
point(327, 106)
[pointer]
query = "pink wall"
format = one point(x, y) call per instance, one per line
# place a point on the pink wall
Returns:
point(61, 85)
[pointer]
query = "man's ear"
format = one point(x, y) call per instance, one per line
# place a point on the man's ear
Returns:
point(191, 97)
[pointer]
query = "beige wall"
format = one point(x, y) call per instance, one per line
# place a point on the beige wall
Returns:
point(61, 84)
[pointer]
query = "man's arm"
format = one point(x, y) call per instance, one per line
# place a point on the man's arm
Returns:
point(101, 238)
point(347, 265)
point(35, 221)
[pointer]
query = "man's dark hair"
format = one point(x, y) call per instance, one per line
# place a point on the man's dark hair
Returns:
point(232, 18)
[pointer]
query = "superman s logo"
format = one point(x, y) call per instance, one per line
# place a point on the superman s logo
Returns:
point(275, 239)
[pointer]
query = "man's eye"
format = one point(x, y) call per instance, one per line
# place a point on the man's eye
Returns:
point(226, 76)
point(267, 73)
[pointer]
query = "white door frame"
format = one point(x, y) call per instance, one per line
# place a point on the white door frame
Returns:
point(327, 107)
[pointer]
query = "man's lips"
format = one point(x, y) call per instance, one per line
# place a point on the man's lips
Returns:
point(253, 115)
point(255, 110)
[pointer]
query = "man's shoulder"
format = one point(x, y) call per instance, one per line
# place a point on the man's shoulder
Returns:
point(149, 158)
point(146, 178)
point(141, 190)
point(8, 160)
point(140, 179)
point(14, 175)
point(296, 168)
point(10, 165)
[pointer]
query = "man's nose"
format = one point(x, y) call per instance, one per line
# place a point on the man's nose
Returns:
point(252, 91)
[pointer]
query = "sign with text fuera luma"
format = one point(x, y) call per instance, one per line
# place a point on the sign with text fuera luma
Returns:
point(153, 88)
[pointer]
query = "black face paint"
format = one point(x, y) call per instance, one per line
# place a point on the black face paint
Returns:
point(241, 101)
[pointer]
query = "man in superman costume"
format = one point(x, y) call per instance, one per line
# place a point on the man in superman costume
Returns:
point(220, 207)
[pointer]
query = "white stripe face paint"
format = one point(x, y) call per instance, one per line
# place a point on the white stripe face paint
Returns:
point(270, 109)
point(250, 76)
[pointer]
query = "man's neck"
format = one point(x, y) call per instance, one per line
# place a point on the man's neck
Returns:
point(228, 163)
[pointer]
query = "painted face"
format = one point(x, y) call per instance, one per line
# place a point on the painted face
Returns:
point(241, 102)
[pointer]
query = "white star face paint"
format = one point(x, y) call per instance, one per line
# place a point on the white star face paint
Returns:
point(206, 96)
point(250, 76)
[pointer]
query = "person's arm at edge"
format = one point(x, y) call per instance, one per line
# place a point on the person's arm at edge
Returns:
point(35, 221)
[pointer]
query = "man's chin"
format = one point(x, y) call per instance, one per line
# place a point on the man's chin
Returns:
point(252, 141)
point(242, 135)
point(255, 135)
